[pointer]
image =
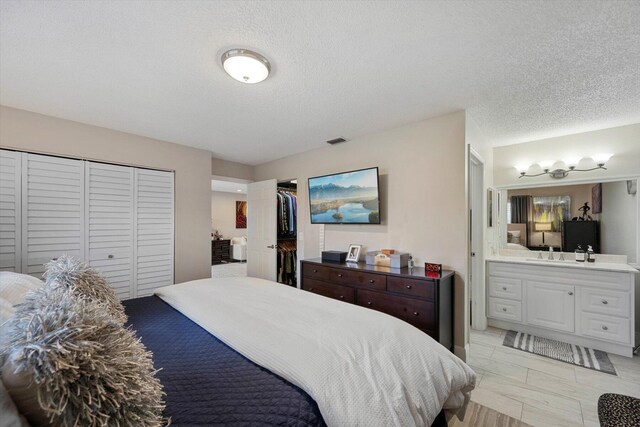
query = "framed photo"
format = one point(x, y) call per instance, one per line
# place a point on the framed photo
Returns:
point(354, 253)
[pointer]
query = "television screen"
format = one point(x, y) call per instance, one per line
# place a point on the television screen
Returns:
point(345, 198)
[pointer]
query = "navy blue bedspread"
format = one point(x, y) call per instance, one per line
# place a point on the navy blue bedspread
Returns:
point(208, 383)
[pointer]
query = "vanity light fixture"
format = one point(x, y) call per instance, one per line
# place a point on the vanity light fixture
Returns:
point(558, 173)
point(245, 65)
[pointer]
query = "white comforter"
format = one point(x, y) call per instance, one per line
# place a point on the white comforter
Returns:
point(362, 367)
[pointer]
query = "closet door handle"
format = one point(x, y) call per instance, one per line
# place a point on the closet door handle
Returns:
point(271, 246)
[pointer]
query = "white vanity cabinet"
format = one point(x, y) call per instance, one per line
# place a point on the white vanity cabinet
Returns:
point(587, 306)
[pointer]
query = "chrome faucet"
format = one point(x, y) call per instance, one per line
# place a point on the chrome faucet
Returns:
point(551, 253)
point(561, 256)
point(539, 255)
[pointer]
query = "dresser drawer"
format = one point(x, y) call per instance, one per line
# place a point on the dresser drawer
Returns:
point(505, 309)
point(605, 327)
point(413, 287)
point(502, 287)
point(605, 301)
point(330, 290)
point(316, 271)
point(358, 278)
point(419, 313)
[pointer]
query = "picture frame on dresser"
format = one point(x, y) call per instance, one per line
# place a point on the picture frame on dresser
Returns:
point(353, 255)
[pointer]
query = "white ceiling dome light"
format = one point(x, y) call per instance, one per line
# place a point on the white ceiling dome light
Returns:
point(246, 66)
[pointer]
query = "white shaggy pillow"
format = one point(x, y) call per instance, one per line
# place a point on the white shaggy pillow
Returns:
point(14, 286)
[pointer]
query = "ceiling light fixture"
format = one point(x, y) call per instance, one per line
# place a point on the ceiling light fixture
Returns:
point(599, 159)
point(246, 66)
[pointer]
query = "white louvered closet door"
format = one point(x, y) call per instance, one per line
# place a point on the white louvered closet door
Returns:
point(154, 204)
point(52, 210)
point(109, 229)
point(10, 210)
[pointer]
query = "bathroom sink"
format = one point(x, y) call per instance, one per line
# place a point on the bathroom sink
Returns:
point(550, 260)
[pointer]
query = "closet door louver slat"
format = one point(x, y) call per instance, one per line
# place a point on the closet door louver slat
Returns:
point(110, 211)
point(10, 210)
point(154, 230)
point(53, 215)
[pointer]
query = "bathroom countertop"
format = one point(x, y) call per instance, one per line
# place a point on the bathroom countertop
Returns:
point(570, 262)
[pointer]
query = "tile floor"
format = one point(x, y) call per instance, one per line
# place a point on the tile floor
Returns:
point(541, 391)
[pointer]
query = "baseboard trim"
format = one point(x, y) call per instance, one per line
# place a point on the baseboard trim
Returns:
point(461, 351)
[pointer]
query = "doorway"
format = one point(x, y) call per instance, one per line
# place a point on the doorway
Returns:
point(228, 227)
point(477, 206)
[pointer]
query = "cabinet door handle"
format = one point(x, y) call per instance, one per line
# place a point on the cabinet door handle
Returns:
point(408, 286)
point(605, 302)
point(504, 288)
point(368, 302)
point(504, 308)
point(570, 293)
point(604, 328)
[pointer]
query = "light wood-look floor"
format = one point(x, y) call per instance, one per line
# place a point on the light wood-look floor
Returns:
point(480, 416)
point(540, 391)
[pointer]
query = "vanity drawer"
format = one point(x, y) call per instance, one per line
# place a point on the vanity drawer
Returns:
point(605, 327)
point(604, 301)
point(413, 287)
point(357, 278)
point(338, 292)
point(316, 271)
point(502, 287)
point(505, 309)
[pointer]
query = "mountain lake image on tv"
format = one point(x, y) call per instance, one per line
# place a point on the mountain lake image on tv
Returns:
point(345, 198)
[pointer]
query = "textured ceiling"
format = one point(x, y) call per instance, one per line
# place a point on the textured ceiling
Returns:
point(523, 70)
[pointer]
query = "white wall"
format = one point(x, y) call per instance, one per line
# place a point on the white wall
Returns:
point(423, 199)
point(223, 213)
point(623, 141)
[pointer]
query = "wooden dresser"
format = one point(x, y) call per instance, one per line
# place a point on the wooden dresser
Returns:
point(220, 251)
point(424, 302)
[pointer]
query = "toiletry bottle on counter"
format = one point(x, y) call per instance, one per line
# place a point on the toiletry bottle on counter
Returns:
point(591, 256)
point(580, 255)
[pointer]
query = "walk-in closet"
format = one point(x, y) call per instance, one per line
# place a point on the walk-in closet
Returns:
point(287, 257)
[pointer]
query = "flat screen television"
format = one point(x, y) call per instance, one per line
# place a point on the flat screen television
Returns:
point(345, 198)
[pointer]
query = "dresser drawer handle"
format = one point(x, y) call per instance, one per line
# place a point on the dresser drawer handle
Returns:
point(315, 271)
point(341, 296)
point(504, 288)
point(371, 281)
point(604, 328)
point(415, 313)
point(310, 289)
point(369, 302)
point(605, 302)
point(504, 308)
point(339, 275)
point(408, 286)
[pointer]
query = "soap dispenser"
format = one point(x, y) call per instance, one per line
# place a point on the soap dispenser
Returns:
point(580, 256)
point(591, 255)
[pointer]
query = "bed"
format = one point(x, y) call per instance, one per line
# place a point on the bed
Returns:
point(244, 351)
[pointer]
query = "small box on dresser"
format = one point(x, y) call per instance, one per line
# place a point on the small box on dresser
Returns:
point(424, 302)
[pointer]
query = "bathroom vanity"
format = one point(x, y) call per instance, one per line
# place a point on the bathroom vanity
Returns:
point(588, 304)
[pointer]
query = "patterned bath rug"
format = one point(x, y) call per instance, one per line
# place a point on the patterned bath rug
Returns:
point(562, 351)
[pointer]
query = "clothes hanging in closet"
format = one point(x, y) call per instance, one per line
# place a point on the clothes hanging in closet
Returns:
point(287, 261)
point(287, 210)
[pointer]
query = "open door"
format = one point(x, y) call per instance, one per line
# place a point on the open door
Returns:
point(261, 229)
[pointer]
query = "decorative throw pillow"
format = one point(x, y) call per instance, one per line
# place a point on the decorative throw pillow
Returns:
point(83, 280)
point(72, 363)
point(14, 286)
